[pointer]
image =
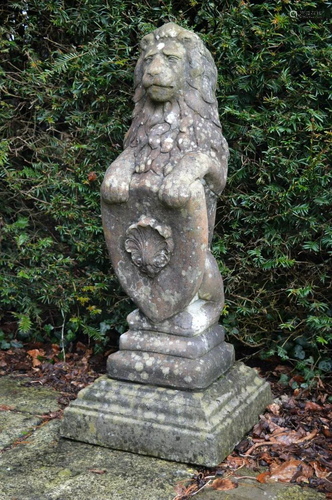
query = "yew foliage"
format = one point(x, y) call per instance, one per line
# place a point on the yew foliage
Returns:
point(66, 82)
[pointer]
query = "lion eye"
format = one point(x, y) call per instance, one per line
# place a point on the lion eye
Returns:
point(148, 60)
point(172, 58)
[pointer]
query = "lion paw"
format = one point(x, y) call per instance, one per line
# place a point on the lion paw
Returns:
point(114, 191)
point(175, 193)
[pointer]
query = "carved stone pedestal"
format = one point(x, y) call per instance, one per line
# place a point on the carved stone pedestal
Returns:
point(179, 352)
point(199, 427)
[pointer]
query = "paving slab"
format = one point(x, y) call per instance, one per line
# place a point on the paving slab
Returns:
point(47, 467)
point(249, 490)
point(30, 399)
point(14, 426)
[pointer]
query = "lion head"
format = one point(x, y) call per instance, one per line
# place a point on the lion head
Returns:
point(175, 105)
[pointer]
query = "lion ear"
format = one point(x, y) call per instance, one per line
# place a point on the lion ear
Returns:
point(146, 41)
point(188, 39)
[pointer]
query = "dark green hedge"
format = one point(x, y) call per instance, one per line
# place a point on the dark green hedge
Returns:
point(66, 81)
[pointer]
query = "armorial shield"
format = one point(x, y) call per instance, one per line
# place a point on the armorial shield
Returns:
point(158, 252)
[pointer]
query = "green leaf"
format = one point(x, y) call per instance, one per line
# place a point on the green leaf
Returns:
point(5, 345)
point(325, 365)
point(284, 379)
point(299, 352)
point(24, 324)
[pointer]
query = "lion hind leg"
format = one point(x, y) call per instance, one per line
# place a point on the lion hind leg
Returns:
point(212, 288)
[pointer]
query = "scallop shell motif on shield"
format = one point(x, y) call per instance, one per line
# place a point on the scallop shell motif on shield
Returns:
point(150, 245)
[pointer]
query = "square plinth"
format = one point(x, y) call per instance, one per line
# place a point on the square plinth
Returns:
point(199, 427)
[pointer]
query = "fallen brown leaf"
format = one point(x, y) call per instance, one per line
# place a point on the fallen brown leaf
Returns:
point(320, 472)
point(282, 369)
point(260, 429)
point(311, 406)
point(286, 472)
point(52, 415)
point(326, 431)
point(179, 489)
point(325, 484)
point(266, 457)
point(97, 471)
point(80, 346)
point(223, 484)
point(274, 408)
point(55, 349)
point(6, 408)
point(320, 383)
point(235, 462)
point(303, 473)
point(296, 378)
point(289, 437)
point(34, 354)
point(261, 478)
point(80, 385)
point(309, 436)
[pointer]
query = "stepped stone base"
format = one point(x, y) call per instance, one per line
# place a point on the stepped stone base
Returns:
point(171, 371)
point(172, 360)
point(200, 427)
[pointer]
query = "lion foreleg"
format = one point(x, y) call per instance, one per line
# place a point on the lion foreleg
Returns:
point(175, 190)
point(116, 183)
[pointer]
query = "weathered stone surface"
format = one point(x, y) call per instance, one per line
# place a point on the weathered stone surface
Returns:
point(166, 293)
point(193, 320)
point(46, 467)
point(249, 490)
point(173, 345)
point(199, 427)
point(15, 425)
point(171, 371)
point(158, 209)
point(24, 405)
point(35, 400)
point(159, 196)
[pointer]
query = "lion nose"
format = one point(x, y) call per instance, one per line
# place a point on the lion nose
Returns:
point(156, 66)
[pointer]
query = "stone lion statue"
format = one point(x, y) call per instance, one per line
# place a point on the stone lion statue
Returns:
point(175, 137)
point(158, 209)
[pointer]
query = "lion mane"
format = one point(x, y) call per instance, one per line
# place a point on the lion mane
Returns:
point(162, 133)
